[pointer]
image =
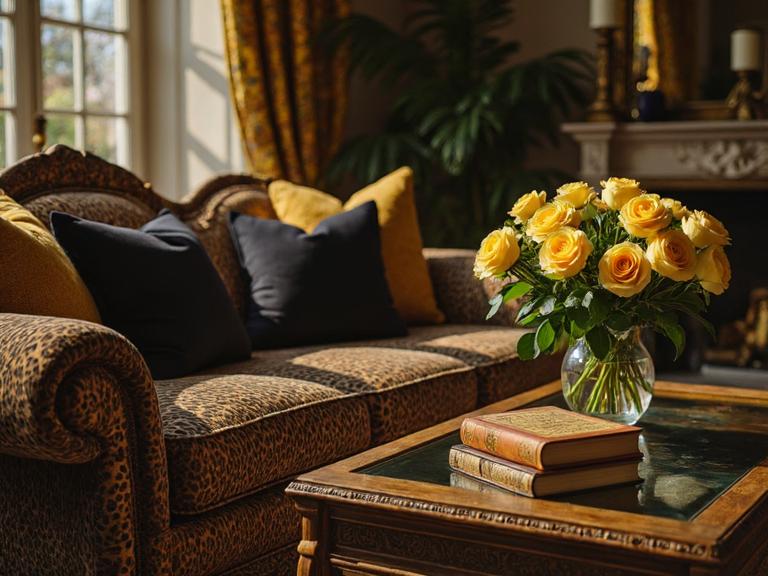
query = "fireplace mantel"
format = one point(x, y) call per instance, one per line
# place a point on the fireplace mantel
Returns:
point(707, 155)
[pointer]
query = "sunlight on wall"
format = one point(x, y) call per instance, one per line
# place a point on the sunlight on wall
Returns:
point(192, 133)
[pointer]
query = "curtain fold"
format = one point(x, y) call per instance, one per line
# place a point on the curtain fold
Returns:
point(665, 48)
point(675, 22)
point(290, 97)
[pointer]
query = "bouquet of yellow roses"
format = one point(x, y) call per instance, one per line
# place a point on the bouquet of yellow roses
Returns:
point(593, 269)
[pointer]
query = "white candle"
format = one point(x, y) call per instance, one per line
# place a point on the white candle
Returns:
point(603, 14)
point(745, 50)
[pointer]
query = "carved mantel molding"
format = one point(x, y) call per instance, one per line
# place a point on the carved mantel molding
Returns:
point(721, 155)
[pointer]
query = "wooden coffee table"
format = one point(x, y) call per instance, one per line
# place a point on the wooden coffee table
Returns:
point(701, 509)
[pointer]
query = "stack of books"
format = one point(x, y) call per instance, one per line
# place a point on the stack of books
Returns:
point(546, 450)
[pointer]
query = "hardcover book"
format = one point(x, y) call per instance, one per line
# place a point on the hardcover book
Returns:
point(531, 482)
point(549, 437)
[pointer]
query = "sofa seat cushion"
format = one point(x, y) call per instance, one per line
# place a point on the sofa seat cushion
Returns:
point(228, 435)
point(406, 389)
point(491, 350)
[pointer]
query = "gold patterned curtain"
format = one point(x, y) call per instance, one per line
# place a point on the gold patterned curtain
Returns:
point(289, 97)
point(666, 31)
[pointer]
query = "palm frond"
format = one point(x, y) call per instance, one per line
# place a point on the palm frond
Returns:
point(376, 50)
point(463, 117)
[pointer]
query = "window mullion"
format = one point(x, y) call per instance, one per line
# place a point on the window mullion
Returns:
point(25, 70)
point(78, 55)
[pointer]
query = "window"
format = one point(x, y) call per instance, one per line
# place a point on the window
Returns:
point(8, 111)
point(75, 65)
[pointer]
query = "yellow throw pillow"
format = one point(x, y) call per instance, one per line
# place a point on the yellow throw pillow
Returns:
point(301, 206)
point(36, 276)
point(401, 244)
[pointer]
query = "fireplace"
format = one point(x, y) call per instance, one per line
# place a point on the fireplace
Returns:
point(721, 167)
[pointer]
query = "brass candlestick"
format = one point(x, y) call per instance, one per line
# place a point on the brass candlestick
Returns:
point(744, 102)
point(603, 108)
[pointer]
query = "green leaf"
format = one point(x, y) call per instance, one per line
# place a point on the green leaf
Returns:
point(598, 307)
point(580, 317)
point(676, 334)
point(706, 324)
point(548, 305)
point(690, 301)
point(495, 303)
point(599, 341)
point(526, 346)
point(575, 298)
point(588, 212)
point(618, 322)
point(530, 319)
point(545, 336)
point(576, 331)
point(516, 290)
point(528, 307)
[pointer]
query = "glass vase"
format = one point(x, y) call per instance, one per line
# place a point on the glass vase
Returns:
point(618, 388)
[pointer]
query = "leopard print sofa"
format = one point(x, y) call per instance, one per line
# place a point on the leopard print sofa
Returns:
point(105, 471)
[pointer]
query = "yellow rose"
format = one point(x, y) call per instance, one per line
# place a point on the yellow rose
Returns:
point(618, 191)
point(624, 270)
point(672, 254)
point(705, 230)
point(714, 270)
point(527, 204)
point(498, 252)
point(644, 215)
point(578, 194)
point(564, 253)
point(551, 217)
point(676, 208)
point(601, 205)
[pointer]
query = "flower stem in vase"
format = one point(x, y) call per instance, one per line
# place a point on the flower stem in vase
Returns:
point(618, 388)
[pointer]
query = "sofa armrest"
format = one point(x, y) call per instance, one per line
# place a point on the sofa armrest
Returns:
point(73, 392)
point(462, 297)
point(41, 362)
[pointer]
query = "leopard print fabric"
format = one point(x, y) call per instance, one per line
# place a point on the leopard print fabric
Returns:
point(281, 562)
point(75, 392)
point(463, 298)
point(229, 436)
point(101, 207)
point(512, 376)
point(244, 533)
point(243, 426)
point(405, 389)
point(492, 351)
point(45, 511)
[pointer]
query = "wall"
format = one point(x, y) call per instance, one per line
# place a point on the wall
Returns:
point(191, 132)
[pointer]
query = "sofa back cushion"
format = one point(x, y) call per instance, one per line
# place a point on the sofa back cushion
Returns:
point(65, 180)
point(315, 288)
point(105, 207)
point(157, 287)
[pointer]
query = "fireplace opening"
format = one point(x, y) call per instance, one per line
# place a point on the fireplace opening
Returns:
point(739, 357)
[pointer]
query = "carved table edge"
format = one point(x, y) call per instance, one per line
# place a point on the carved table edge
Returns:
point(573, 530)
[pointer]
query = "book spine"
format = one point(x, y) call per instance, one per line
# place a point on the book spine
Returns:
point(502, 443)
point(494, 473)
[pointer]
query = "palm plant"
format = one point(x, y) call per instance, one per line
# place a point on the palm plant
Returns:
point(461, 115)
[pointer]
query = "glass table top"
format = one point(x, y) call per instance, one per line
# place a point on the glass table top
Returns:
point(693, 451)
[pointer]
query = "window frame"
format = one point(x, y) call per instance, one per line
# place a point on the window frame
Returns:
point(29, 77)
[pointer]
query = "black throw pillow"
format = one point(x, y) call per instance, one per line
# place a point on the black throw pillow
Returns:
point(158, 287)
point(320, 287)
